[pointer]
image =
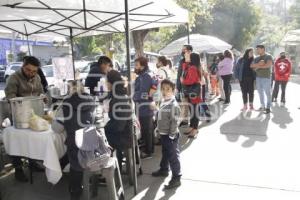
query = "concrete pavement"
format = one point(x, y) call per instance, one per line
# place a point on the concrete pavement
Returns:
point(232, 158)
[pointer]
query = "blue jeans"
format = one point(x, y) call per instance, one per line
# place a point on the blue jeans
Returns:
point(264, 88)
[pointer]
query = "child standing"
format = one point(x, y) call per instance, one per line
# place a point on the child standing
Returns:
point(167, 126)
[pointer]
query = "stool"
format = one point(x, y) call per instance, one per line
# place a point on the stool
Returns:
point(113, 178)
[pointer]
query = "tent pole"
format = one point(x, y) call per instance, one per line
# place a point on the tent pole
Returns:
point(188, 32)
point(127, 34)
point(27, 39)
point(72, 51)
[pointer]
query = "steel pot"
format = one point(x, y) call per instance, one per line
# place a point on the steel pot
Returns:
point(22, 108)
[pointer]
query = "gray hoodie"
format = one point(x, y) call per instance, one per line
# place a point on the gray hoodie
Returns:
point(168, 118)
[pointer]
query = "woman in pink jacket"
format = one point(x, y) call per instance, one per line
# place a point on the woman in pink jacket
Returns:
point(225, 70)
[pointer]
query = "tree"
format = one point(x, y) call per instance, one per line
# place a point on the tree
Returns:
point(235, 21)
point(138, 37)
point(295, 14)
point(163, 36)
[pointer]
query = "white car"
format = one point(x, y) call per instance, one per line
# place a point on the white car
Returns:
point(48, 72)
point(12, 68)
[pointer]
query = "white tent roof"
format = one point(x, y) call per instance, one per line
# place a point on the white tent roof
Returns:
point(200, 43)
point(291, 38)
point(89, 17)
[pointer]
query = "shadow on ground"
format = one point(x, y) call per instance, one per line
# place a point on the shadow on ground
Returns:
point(251, 125)
point(281, 116)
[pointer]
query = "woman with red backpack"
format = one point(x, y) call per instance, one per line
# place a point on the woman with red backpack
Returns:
point(190, 80)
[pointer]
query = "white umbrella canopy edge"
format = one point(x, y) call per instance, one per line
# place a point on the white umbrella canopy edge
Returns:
point(200, 43)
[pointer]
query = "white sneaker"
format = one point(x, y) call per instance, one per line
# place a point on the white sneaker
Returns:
point(282, 104)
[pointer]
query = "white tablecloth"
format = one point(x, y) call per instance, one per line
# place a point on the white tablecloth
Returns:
point(46, 146)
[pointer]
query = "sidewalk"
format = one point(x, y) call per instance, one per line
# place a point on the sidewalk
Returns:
point(232, 158)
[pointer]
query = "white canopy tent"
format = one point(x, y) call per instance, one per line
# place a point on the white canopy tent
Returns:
point(88, 17)
point(291, 38)
point(77, 18)
point(200, 43)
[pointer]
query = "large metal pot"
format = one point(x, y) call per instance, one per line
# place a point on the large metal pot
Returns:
point(22, 108)
point(5, 111)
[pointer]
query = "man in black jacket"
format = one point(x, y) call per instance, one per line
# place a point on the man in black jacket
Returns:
point(97, 71)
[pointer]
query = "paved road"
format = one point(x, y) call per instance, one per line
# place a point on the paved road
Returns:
point(232, 158)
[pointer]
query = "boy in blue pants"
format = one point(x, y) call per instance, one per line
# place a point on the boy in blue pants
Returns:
point(167, 127)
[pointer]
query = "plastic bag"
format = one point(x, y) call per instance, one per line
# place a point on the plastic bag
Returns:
point(37, 123)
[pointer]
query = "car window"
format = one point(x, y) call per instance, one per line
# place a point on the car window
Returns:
point(15, 67)
point(48, 71)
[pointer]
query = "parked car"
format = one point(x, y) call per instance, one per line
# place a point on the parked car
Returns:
point(48, 72)
point(2, 72)
point(12, 68)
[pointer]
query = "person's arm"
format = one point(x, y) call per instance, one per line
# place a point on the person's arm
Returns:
point(175, 116)
point(266, 65)
point(276, 67)
point(142, 94)
point(11, 88)
point(178, 82)
point(43, 80)
point(40, 88)
point(289, 71)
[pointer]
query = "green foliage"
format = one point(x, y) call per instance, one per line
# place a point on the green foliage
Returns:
point(100, 44)
point(235, 21)
point(295, 13)
point(271, 32)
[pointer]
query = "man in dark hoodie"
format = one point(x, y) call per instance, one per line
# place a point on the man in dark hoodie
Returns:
point(143, 99)
point(98, 70)
point(78, 109)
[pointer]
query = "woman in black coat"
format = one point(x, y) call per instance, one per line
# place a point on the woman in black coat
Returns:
point(118, 130)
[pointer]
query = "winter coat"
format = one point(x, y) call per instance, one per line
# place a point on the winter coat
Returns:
point(118, 129)
point(141, 97)
point(18, 85)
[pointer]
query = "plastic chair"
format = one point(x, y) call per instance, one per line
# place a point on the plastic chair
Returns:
point(113, 178)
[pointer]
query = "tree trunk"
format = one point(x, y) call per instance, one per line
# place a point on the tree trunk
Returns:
point(138, 41)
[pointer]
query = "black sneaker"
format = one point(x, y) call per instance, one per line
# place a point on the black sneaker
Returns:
point(226, 103)
point(268, 111)
point(20, 176)
point(261, 109)
point(174, 183)
point(160, 173)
